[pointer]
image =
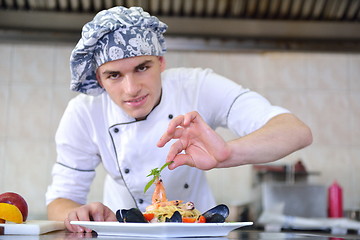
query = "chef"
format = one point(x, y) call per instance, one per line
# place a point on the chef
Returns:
point(134, 115)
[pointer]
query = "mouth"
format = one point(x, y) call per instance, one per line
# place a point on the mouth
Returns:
point(137, 101)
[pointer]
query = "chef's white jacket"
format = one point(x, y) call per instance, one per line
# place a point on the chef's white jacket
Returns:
point(95, 130)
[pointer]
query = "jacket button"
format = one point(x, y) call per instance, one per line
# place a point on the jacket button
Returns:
point(186, 185)
point(116, 130)
point(170, 116)
point(127, 170)
point(141, 201)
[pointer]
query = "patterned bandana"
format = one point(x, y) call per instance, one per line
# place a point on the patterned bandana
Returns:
point(113, 34)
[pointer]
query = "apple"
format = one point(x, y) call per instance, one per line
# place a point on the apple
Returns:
point(17, 200)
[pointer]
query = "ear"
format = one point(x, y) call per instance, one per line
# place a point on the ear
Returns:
point(162, 63)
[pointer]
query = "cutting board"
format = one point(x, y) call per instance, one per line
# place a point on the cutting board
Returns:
point(31, 227)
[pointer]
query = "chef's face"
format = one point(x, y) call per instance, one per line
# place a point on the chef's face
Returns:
point(134, 84)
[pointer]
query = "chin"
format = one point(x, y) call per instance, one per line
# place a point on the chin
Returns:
point(139, 116)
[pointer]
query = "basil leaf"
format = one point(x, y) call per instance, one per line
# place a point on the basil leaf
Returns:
point(149, 184)
point(165, 165)
point(156, 173)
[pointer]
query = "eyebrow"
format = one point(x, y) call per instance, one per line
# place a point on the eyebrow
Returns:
point(143, 63)
point(110, 72)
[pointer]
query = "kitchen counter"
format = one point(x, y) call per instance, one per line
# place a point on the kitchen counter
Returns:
point(240, 234)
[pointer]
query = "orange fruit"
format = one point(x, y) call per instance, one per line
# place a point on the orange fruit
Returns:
point(10, 213)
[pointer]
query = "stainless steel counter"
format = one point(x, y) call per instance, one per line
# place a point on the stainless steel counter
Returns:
point(234, 235)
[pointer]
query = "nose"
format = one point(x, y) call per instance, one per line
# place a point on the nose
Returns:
point(131, 86)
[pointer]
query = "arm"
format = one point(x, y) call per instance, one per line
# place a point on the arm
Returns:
point(74, 171)
point(62, 209)
point(205, 149)
point(280, 136)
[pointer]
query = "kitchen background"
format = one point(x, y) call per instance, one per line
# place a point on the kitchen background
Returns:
point(322, 87)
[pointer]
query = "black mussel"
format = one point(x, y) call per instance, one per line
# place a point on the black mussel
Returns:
point(217, 214)
point(118, 216)
point(176, 217)
point(215, 218)
point(132, 215)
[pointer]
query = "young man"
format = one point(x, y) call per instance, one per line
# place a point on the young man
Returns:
point(134, 116)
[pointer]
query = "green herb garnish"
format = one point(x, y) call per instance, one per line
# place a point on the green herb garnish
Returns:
point(156, 173)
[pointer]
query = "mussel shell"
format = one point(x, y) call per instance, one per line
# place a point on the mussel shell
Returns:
point(217, 214)
point(216, 218)
point(133, 215)
point(118, 216)
point(176, 217)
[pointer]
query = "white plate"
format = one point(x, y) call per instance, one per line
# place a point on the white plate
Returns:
point(162, 229)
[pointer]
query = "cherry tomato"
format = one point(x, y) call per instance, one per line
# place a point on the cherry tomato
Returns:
point(149, 216)
point(188, 220)
point(201, 219)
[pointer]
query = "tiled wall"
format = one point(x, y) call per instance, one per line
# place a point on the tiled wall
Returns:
point(323, 89)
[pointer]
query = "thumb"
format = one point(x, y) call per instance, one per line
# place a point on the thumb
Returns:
point(110, 216)
point(180, 160)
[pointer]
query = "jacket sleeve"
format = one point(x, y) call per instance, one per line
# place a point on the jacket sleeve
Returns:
point(227, 104)
point(77, 156)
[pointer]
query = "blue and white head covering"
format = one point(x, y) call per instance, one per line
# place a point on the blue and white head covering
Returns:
point(113, 34)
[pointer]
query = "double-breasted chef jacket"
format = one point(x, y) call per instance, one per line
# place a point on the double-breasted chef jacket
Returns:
point(95, 130)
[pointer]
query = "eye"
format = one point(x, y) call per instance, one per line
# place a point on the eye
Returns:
point(142, 68)
point(113, 76)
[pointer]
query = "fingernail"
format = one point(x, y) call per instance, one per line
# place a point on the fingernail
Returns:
point(172, 165)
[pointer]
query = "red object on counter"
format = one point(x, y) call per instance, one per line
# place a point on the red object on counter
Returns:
point(335, 201)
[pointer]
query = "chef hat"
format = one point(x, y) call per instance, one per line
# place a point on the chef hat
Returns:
point(114, 34)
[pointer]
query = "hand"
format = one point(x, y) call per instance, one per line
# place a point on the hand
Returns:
point(77, 236)
point(90, 212)
point(204, 148)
